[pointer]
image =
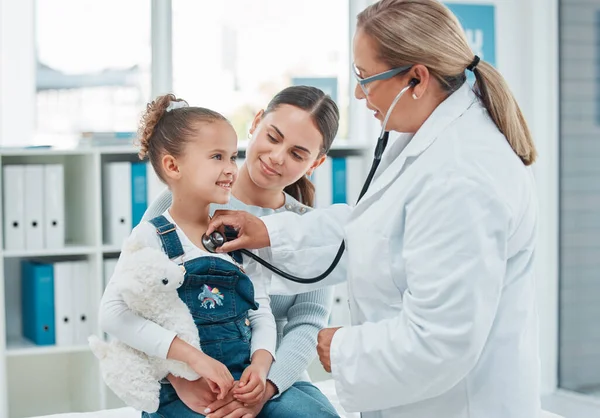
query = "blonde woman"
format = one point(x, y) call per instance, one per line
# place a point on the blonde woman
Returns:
point(440, 249)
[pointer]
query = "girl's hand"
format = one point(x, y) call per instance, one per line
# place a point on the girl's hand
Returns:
point(216, 374)
point(252, 385)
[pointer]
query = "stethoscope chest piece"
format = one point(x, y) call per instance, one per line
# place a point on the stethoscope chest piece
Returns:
point(213, 241)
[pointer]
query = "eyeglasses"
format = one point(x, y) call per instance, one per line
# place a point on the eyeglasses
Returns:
point(362, 82)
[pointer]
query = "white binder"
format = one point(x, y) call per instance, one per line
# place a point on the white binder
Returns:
point(323, 184)
point(340, 311)
point(64, 299)
point(109, 269)
point(116, 191)
point(155, 186)
point(356, 174)
point(54, 202)
point(83, 302)
point(34, 206)
point(14, 209)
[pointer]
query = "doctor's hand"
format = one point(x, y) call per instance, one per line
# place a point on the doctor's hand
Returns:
point(324, 346)
point(252, 232)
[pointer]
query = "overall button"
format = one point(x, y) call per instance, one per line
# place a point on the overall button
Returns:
point(302, 210)
point(288, 206)
point(247, 322)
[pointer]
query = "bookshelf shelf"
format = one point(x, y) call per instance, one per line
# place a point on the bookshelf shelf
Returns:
point(51, 252)
point(22, 347)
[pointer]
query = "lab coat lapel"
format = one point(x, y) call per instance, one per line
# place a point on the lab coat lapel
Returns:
point(449, 110)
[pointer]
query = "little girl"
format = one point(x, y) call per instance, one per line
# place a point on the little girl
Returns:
point(194, 150)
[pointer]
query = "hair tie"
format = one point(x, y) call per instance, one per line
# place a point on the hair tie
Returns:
point(176, 105)
point(473, 63)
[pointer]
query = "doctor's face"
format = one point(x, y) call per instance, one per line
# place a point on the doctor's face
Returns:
point(381, 93)
point(285, 146)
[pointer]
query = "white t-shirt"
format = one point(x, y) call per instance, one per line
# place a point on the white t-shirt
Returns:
point(155, 340)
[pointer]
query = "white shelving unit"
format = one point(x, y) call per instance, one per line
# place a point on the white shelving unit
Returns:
point(42, 380)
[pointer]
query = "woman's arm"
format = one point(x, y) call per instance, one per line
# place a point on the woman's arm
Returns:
point(159, 205)
point(302, 245)
point(262, 321)
point(306, 317)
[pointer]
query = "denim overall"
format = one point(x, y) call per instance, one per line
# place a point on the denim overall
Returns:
point(219, 296)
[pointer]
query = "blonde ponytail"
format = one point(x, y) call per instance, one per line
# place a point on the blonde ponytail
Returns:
point(494, 94)
point(409, 32)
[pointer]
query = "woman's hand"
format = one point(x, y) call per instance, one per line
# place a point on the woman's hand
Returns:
point(324, 347)
point(236, 409)
point(252, 232)
point(196, 395)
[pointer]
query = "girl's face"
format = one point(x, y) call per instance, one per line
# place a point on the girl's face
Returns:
point(206, 169)
point(285, 146)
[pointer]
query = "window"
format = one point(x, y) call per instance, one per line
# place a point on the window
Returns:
point(234, 55)
point(93, 65)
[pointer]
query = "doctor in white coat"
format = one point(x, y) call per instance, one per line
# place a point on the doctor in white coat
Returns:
point(440, 250)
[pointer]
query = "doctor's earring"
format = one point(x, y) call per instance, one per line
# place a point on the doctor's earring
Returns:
point(414, 96)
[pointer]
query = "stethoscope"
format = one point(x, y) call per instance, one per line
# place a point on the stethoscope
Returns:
point(217, 239)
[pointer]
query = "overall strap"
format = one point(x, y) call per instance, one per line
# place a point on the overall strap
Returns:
point(167, 233)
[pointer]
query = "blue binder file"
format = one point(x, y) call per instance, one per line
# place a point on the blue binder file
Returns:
point(338, 178)
point(139, 193)
point(37, 302)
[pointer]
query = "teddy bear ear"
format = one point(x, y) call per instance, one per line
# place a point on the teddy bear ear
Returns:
point(132, 244)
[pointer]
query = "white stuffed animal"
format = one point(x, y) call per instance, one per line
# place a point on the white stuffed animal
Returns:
point(148, 282)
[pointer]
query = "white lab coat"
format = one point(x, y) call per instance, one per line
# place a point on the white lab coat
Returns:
point(440, 273)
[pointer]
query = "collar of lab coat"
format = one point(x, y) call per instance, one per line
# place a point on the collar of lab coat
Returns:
point(449, 110)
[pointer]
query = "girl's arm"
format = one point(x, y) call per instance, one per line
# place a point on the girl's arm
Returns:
point(117, 320)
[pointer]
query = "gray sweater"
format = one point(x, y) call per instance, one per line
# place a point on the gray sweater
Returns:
point(299, 318)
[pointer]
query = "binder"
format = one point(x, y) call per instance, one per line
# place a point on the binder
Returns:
point(82, 291)
point(37, 302)
point(338, 180)
point(139, 192)
point(64, 298)
point(322, 180)
point(14, 207)
point(340, 311)
point(109, 268)
point(34, 206)
point(356, 174)
point(116, 200)
point(54, 206)
point(155, 186)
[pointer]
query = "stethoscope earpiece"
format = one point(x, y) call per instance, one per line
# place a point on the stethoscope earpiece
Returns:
point(414, 82)
point(213, 241)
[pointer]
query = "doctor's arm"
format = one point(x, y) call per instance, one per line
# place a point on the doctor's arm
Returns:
point(302, 245)
point(455, 246)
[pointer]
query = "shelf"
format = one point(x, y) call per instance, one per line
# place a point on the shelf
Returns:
point(22, 347)
point(340, 144)
point(50, 252)
point(108, 249)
